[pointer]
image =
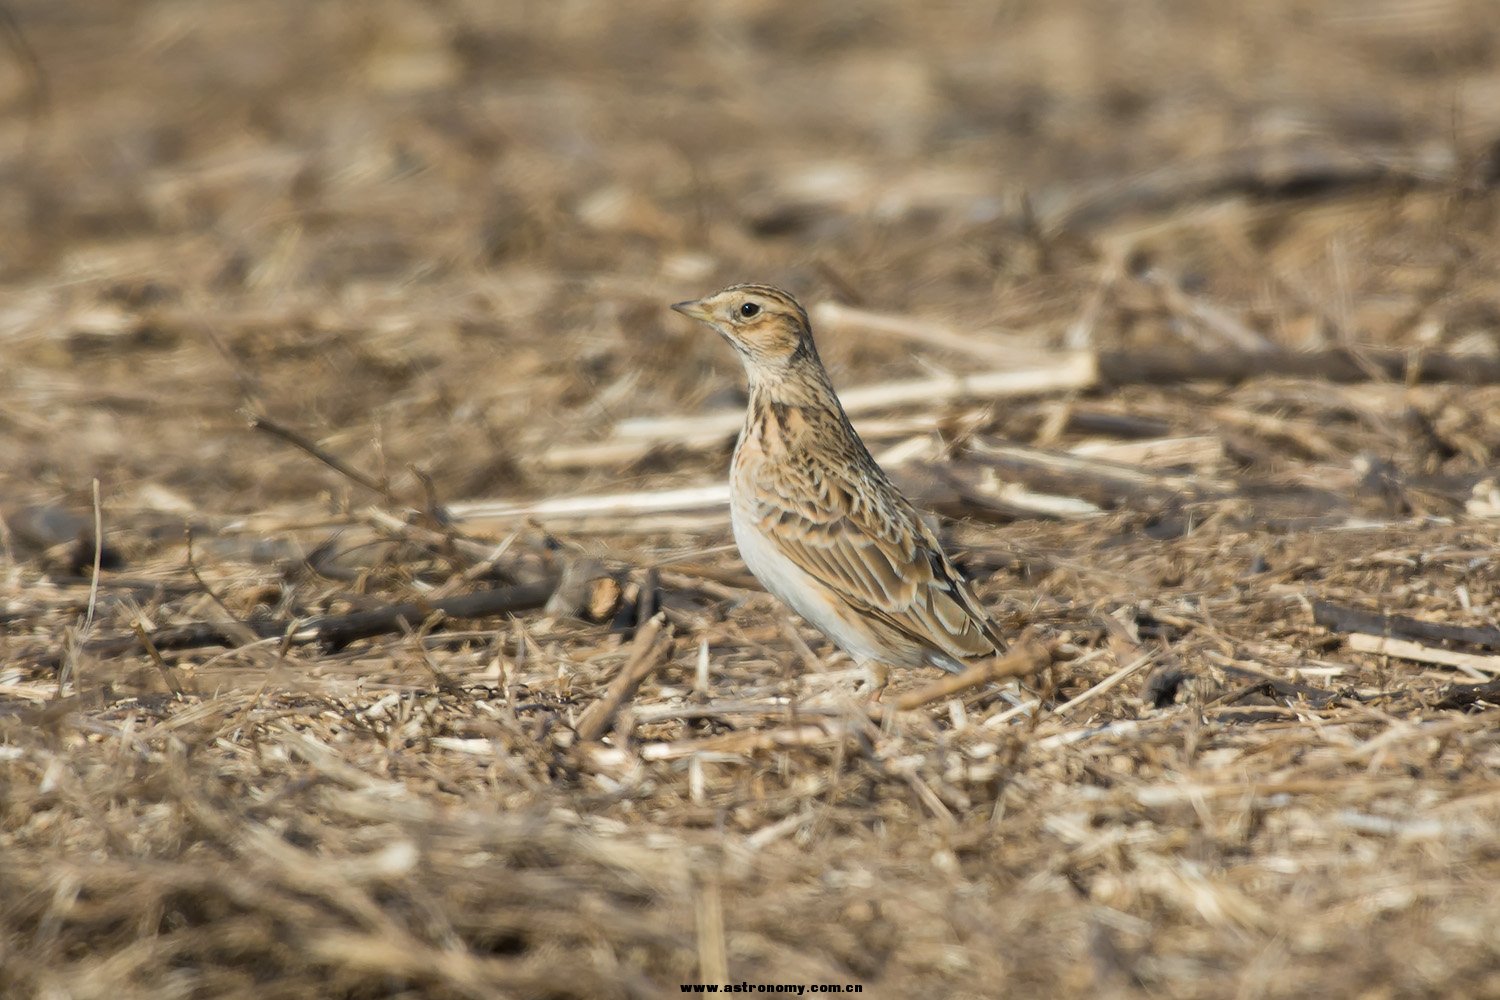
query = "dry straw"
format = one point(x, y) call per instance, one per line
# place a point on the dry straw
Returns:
point(1184, 325)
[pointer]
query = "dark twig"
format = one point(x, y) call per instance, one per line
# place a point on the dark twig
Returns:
point(1469, 695)
point(1264, 687)
point(1337, 618)
point(155, 654)
point(1317, 697)
point(192, 566)
point(337, 632)
point(434, 507)
point(333, 632)
point(298, 440)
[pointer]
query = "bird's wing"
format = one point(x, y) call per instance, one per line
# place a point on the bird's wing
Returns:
point(870, 547)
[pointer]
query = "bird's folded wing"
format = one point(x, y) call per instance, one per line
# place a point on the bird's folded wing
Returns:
point(885, 563)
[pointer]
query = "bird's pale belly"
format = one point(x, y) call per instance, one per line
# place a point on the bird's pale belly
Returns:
point(805, 595)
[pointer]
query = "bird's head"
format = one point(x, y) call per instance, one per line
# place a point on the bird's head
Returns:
point(764, 324)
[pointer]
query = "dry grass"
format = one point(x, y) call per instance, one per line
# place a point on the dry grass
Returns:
point(437, 241)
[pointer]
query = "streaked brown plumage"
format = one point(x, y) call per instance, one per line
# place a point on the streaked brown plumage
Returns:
point(816, 519)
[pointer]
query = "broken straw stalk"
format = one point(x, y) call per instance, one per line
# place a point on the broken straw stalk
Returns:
point(1065, 372)
point(1090, 463)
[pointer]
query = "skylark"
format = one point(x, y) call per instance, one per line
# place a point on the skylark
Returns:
point(816, 520)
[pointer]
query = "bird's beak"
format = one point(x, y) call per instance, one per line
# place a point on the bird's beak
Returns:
point(694, 309)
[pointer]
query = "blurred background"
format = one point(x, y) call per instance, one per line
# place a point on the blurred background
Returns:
point(444, 233)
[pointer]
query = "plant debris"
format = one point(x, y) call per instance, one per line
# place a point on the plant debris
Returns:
point(443, 677)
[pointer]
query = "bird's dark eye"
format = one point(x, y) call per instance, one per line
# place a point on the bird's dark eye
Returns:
point(749, 309)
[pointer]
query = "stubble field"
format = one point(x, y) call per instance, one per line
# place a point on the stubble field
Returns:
point(1184, 319)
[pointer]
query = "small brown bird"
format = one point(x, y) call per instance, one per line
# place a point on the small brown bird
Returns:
point(816, 520)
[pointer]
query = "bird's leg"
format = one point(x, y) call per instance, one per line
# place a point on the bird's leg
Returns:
point(877, 676)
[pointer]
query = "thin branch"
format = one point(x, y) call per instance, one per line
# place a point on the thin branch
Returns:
point(88, 619)
point(1476, 666)
point(1022, 661)
point(155, 654)
point(301, 442)
point(652, 647)
point(1338, 618)
point(1110, 682)
point(334, 631)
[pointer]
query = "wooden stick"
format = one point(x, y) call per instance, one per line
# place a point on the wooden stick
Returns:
point(338, 631)
point(1112, 424)
point(155, 654)
point(1292, 690)
point(297, 440)
point(1097, 476)
point(333, 631)
point(613, 505)
point(1096, 480)
point(1026, 503)
point(1337, 618)
point(1476, 666)
point(653, 644)
point(1033, 482)
point(1020, 662)
point(1468, 695)
point(1109, 682)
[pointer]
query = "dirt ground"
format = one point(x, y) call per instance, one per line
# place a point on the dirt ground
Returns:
point(428, 247)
